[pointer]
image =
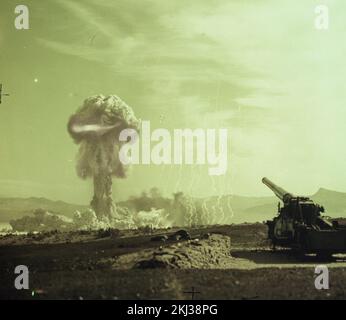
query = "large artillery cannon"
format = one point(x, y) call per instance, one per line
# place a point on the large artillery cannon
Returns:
point(300, 225)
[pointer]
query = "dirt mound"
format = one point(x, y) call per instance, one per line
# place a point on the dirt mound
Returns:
point(213, 252)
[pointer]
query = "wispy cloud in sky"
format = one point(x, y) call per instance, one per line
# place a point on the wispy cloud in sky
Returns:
point(258, 68)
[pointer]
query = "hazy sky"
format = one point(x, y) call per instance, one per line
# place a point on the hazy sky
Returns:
point(259, 68)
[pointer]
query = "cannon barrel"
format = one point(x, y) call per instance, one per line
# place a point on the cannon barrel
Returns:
point(281, 193)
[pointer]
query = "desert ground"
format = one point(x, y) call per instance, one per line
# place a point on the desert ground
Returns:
point(218, 262)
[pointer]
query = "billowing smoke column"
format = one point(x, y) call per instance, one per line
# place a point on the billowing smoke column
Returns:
point(96, 127)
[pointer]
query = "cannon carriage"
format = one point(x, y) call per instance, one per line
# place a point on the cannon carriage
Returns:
point(301, 225)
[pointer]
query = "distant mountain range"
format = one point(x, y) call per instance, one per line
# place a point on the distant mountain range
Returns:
point(252, 209)
point(235, 209)
point(14, 208)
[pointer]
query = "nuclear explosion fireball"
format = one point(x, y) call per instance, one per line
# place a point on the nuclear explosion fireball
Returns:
point(95, 127)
